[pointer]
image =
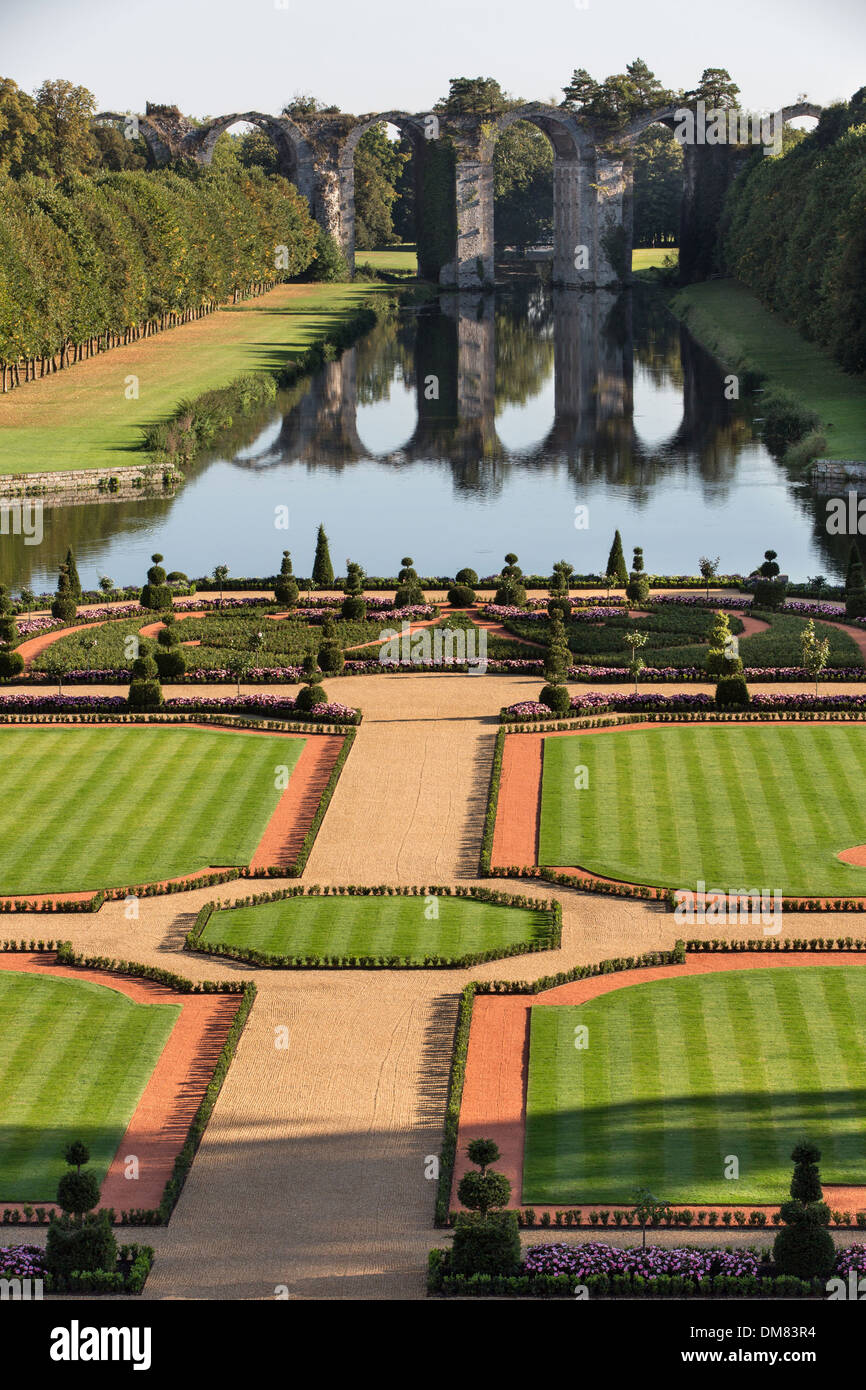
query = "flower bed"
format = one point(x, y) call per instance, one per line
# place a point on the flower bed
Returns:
point(596, 703)
point(282, 706)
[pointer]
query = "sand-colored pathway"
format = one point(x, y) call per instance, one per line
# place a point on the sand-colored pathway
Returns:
point(311, 1174)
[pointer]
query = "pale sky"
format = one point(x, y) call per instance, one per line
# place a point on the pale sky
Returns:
point(212, 57)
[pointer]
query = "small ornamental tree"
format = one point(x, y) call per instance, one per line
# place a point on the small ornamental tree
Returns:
point(804, 1247)
point(558, 589)
point(72, 571)
point(79, 1239)
point(311, 693)
point(54, 665)
point(323, 570)
point(11, 662)
point(409, 589)
point(511, 590)
point(556, 662)
point(637, 589)
point(855, 587)
point(634, 641)
point(145, 691)
point(616, 562)
point(769, 590)
point(331, 656)
point(169, 655)
point(64, 607)
point(354, 606)
point(106, 584)
point(709, 569)
point(649, 1211)
point(220, 577)
point(815, 651)
point(608, 580)
point(486, 1239)
point(722, 657)
point(286, 589)
point(156, 594)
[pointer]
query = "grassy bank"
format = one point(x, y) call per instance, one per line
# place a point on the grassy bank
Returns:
point(748, 338)
point(82, 418)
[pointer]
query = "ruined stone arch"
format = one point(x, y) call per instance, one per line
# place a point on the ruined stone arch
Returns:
point(279, 129)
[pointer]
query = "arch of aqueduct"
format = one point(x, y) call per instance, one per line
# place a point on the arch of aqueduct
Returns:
point(592, 177)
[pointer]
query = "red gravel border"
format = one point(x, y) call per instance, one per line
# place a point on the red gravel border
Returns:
point(159, 1125)
point(493, 1104)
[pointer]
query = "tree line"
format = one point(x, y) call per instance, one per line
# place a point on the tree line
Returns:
point(794, 231)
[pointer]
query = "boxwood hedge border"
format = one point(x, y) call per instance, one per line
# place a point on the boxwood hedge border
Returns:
point(250, 955)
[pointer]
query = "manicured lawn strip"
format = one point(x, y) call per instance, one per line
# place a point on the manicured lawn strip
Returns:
point(88, 808)
point(732, 323)
point(74, 1060)
point(681, 1073)
point(80, 418)
point(736, 806)
point(360, 926)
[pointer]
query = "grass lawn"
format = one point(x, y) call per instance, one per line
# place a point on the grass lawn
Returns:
point(735, 326)
point(681, 1073)
point(757, 807)
point(97, 808)
point(400, 260)
point(74, 1060)
point(648, 257)
point(376, 926)
point(80, 418)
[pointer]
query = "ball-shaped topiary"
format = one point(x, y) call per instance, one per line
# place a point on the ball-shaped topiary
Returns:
point(556, 697)
point(145, 691)
point(78, 1192)
point(467, 576)
point(310, 695)
point(331, 658)
point(11, 664)
point(461, 596)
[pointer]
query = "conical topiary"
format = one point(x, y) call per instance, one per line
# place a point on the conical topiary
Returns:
point(804, 1246)
point(616, 561)
point(64, 607)
point(855, 588)
point(11, 662)
point(156, 594)
point(323, 570)
point(72, 571)
point(285, 589)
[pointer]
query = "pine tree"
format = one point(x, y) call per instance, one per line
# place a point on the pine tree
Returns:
point(616, 561)
point(323, 570)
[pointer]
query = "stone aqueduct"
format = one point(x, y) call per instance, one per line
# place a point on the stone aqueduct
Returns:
point(592, 177)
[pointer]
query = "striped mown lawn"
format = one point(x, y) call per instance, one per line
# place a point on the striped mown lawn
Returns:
point(90, 808)
point(75, 1058)
point(680, 1074)
point(735, 806)
point(376, 926)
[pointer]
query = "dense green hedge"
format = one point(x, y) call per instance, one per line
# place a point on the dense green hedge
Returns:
point(794, 231)
point(90, 261)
